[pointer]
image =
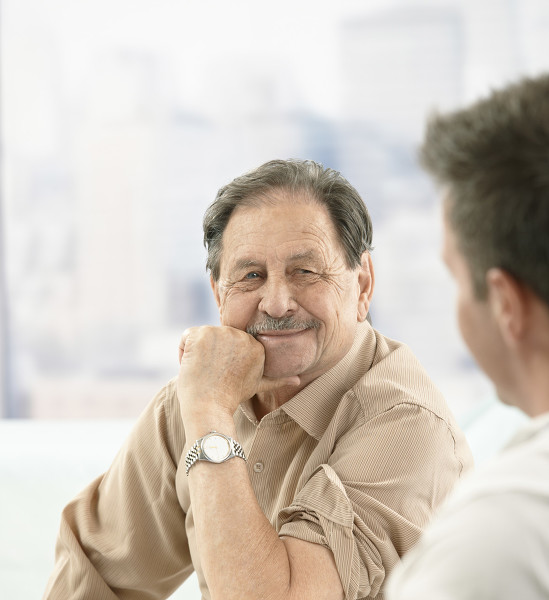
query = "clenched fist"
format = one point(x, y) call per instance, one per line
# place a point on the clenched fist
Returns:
point(220, 368)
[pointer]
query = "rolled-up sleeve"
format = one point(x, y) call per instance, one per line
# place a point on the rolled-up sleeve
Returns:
point(332, 522)
point(376, 492)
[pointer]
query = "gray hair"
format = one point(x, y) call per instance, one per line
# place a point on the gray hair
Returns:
point(326, 186)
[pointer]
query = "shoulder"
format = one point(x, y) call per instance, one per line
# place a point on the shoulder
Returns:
point(396, 376)
point(392, 402)
point(396, 387)
point(519, 471)
point(487, 541)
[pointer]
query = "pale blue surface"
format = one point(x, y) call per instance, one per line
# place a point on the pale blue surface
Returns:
point(490, 426)
point(43, 464)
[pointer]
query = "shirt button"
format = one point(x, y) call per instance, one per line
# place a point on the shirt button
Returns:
point(258, 467)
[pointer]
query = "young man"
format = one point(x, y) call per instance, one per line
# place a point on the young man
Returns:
point(491, 540)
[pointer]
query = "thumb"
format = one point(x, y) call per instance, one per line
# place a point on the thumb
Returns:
point(182, 343)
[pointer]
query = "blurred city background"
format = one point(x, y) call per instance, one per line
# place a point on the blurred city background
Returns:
point(120, 120)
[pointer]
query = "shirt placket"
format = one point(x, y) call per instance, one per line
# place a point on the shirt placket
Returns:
point(269, 458)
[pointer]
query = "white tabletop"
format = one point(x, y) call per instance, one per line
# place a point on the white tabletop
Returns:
point(43, 464)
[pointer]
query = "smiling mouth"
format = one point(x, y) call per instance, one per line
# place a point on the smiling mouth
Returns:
point(281, 333)
point(268, 338)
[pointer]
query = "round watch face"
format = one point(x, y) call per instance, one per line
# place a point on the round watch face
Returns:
point(216, 447)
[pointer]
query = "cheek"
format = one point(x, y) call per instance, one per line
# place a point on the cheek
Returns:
point(464, 320)
point(236, 309)
point(319, 304)
point(337, 311)
point(474, 327)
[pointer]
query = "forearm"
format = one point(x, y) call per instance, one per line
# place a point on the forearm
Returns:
point(241, 553)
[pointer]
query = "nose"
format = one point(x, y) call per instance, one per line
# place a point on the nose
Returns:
point(277, 299)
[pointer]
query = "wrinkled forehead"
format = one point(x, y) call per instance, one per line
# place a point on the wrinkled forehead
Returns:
point(286, 228)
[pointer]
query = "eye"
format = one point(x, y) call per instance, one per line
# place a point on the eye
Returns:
point(304, 272)
point(252, 275)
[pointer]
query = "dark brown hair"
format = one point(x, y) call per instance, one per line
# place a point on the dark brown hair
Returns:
point(492, 160)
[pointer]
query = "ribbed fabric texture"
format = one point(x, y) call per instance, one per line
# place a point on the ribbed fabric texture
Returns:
point(357, 462)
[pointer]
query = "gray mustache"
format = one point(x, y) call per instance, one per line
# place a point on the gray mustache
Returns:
point(271, 324)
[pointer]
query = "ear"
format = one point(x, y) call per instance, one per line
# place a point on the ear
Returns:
point(508, 303)
point(366, 281)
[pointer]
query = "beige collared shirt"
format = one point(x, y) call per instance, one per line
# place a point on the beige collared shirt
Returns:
point(357, 462)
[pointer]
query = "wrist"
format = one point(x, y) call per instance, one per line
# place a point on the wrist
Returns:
point(198, 424)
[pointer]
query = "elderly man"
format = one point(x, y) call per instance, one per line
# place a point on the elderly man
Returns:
point(299, 453)
point(492, 161)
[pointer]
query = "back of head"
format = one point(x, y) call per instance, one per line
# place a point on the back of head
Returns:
point(320, 184)
point(492, 161)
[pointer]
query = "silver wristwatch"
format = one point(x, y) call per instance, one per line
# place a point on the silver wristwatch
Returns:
point(213, 447)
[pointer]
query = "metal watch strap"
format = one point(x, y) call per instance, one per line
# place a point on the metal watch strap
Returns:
point(194, 454)
point(238, 450)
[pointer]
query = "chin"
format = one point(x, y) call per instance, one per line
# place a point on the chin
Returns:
point(282, 368)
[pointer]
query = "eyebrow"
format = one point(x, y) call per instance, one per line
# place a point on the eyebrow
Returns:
point(246, 263)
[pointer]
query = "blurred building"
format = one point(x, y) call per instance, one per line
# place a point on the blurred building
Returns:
point(110, 267)
point(397, 62)
point(116, 140)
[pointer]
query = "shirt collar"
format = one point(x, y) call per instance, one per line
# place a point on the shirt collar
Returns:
point(314, 406)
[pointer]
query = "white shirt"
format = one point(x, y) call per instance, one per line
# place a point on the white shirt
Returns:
point(491, 538)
